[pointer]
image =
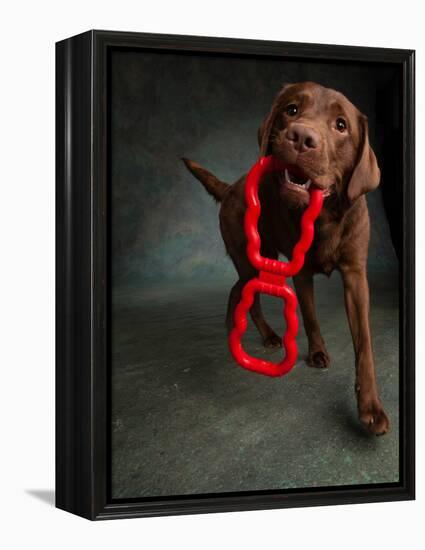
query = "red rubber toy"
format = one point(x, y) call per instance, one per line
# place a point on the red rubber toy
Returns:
point(272, 274)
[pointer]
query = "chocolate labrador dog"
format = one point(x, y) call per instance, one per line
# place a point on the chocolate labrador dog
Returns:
point(324, 139)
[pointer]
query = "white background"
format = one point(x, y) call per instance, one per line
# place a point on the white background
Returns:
point(28, 33)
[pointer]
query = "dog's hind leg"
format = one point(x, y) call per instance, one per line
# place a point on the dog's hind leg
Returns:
point(268, 335)
point(270, 338)
point(234, 298)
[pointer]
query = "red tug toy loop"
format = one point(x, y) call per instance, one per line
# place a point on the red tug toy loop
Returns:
point(272, 274)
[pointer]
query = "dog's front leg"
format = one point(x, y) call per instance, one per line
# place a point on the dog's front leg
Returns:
point(317, 354)
point(356, 289)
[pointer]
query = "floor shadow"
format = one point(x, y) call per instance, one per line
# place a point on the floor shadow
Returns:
point(45, 495)
point(353, 423)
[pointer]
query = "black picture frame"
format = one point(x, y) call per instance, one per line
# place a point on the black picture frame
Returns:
point(82, 333)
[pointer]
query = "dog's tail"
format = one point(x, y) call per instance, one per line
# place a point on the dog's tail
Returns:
point(213, 185)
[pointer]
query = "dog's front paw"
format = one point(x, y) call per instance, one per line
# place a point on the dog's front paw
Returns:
point(272, 341)
point(373, 417)
point(318, 359)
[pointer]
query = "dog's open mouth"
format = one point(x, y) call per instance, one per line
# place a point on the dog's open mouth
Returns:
point(295, 180)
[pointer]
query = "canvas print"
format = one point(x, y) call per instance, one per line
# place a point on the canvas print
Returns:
point(186, 417)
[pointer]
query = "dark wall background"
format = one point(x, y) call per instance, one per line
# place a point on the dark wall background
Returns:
point(208, 108)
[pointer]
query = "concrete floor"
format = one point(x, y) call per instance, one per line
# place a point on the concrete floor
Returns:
point(187, 420)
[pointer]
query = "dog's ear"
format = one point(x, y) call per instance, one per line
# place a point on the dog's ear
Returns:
point(265, 129)
point(366, 173)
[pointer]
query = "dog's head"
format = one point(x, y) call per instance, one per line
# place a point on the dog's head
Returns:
point(324, 139)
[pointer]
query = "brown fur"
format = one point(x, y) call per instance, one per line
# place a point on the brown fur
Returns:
point(341, 163)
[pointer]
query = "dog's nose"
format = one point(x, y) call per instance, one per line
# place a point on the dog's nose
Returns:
point(303, 137)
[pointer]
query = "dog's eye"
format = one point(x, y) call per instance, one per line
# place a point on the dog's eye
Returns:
point(341, 125)
point(291, 110)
